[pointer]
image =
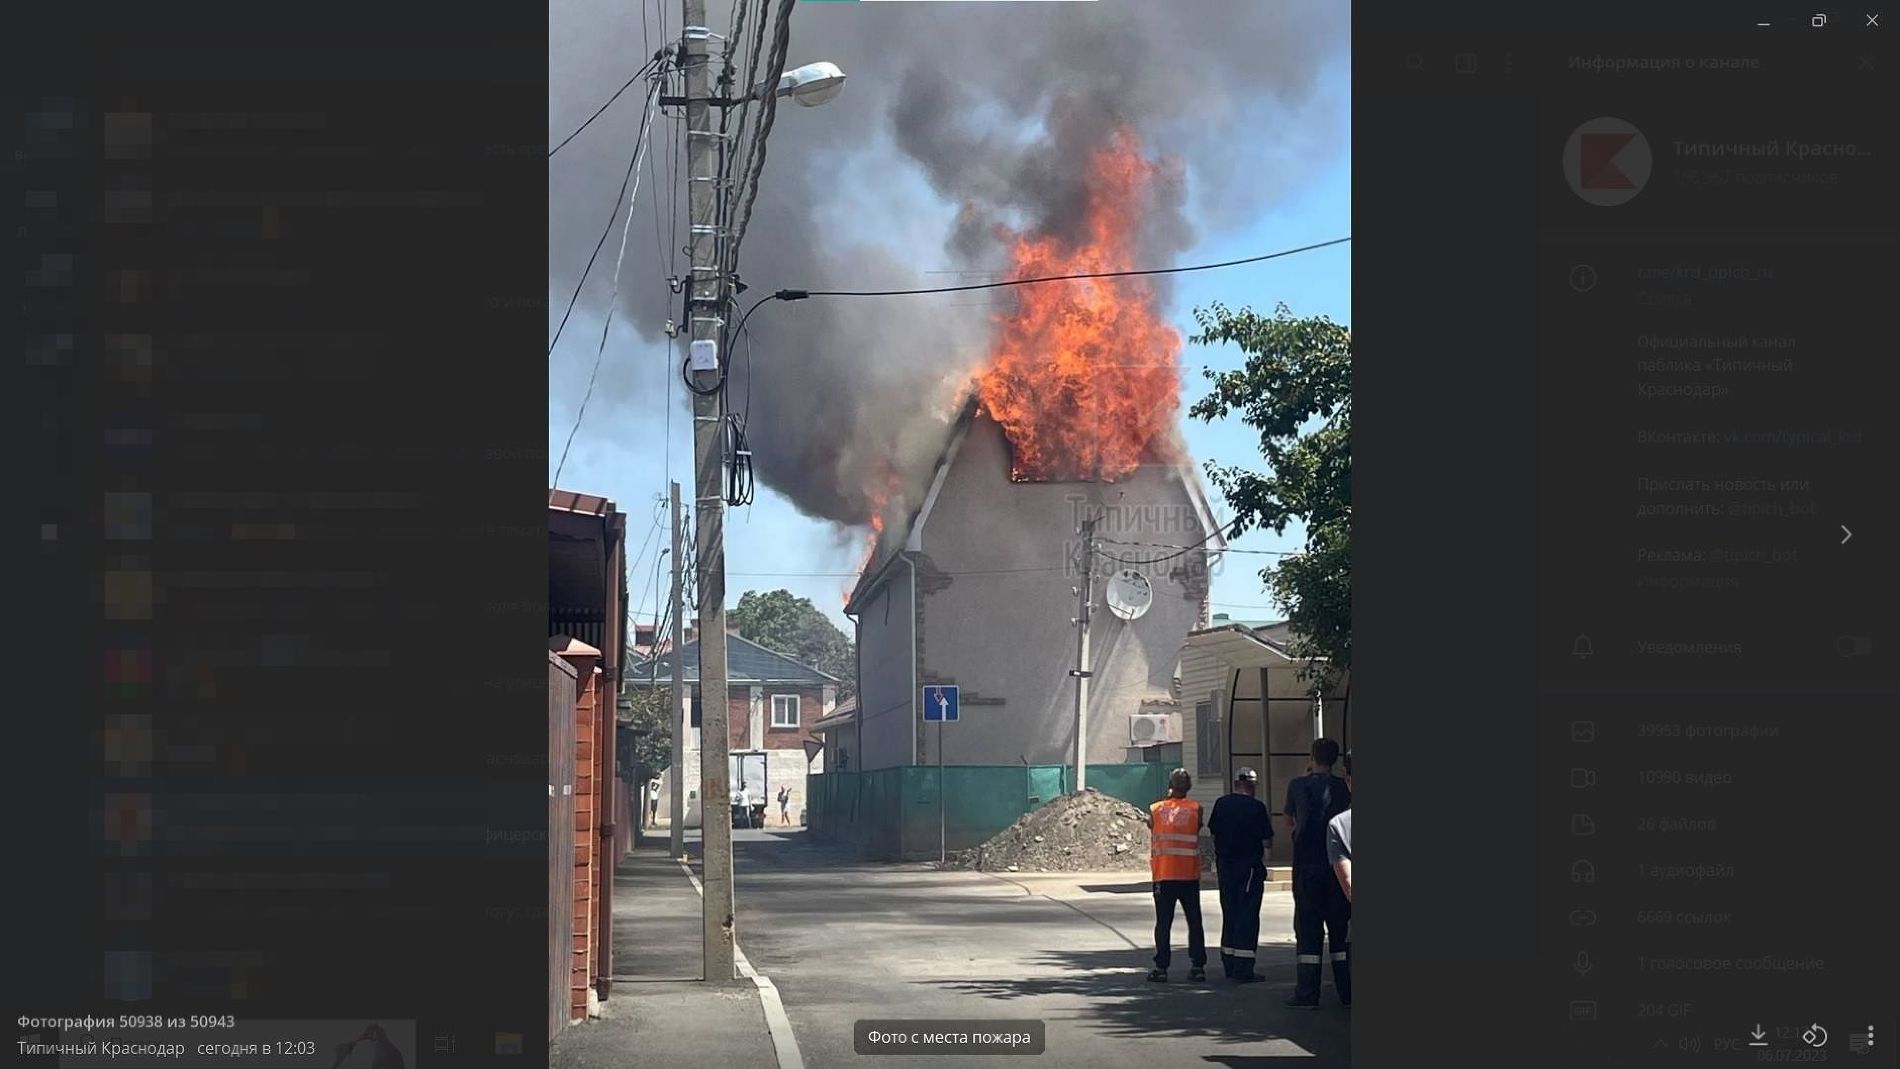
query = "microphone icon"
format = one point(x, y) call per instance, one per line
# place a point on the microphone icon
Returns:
point(1583, 964)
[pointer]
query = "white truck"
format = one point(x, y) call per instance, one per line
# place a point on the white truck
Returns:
point(745, 771)
point(746, 776)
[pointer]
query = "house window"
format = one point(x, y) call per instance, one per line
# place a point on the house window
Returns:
point(784, 710)
point(1207, 738)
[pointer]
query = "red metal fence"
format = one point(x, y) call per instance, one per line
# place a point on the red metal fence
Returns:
point(562, 694)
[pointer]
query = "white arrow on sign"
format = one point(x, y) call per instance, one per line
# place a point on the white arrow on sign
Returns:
point(1845, 534)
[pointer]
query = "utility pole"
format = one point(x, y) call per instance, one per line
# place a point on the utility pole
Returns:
point(706, 312)
point(1081, 672)
point(682, 716)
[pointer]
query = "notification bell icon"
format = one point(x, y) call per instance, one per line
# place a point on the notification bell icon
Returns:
point(1581, 647)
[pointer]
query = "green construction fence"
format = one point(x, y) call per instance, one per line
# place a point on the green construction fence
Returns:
point(893, 813)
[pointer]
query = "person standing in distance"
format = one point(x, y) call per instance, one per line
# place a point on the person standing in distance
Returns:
point(1174, 860)
point(1320, 909)
point(1242, 831)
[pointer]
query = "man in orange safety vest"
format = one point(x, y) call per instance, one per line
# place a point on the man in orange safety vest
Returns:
point(1174, 860)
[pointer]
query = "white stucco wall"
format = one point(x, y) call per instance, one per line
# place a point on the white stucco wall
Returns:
point(884, 695)
point(997, 598)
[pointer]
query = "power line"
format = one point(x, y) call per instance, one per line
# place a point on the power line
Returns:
point(768, 112)
point(598, 112)
point(799, 295)
point(1161, 545)
point(633, 163)
point(854, 575)
point(1184, 550)
point(634, 567)
point(613, 301)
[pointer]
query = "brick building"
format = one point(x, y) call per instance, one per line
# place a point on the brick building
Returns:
point(587, 592)
point(772, 703)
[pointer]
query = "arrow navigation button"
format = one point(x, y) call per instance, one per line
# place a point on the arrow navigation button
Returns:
point(1845, 534)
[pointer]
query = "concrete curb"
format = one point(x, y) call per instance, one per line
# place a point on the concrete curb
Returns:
point(784, 1043)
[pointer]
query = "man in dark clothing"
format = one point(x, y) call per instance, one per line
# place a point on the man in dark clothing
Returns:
point(1320, 909)
point(1339, 843)
point(1242, 830)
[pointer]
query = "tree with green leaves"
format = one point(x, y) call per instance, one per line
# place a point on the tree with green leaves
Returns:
point(793, 626)
point(651, 728)
point(1295, 388)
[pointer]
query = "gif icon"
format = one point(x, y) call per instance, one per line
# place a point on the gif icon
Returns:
point(1583, 1010)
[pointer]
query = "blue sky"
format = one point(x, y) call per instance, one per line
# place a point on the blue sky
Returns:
point(770, 545)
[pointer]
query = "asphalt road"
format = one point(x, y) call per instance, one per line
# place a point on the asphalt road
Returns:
point(846, 940)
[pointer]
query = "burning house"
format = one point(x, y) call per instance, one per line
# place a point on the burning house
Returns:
point(979, 589)
point(1071, 419)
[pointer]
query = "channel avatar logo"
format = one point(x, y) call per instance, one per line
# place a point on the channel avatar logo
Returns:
point(1607, 162)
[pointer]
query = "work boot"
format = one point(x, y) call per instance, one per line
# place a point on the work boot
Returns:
point(1306, 983)
point(1297, 1003)
point(1342, 980)
point(1197, 975)
point(1157, 976)
point(1248, 977)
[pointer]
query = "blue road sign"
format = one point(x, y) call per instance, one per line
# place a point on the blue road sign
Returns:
point(940, 703)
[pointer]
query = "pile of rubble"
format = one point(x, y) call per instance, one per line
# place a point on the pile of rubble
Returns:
point(1086, 832)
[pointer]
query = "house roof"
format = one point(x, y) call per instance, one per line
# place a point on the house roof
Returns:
point(746, 662)
point(835, 719)
point(897, 541)
point(1240, 646)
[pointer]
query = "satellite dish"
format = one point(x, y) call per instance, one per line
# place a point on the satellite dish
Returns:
point(1129, 594)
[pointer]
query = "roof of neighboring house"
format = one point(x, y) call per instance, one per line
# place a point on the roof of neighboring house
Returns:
point(1240, 645)
point(746, 662)
point(837, 718)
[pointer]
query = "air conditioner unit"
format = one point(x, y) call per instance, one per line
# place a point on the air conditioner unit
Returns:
point(1153, 729)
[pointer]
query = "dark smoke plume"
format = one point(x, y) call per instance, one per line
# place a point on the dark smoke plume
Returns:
point(957, 119)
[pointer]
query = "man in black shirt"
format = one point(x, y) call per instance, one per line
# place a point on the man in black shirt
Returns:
point(1242, 830)
point(1320, 909)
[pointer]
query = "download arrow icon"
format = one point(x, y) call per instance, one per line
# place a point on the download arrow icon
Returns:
point(1758, 1033)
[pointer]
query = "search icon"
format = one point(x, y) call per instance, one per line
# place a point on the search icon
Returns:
point(1414, 62)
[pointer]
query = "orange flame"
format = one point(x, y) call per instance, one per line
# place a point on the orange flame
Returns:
point(1084, 375)
point(880, 496)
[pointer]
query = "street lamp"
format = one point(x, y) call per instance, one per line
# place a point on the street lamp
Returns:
point(812, 85)
point(809, 86)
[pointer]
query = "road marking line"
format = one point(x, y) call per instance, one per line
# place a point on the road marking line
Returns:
point(784, 1043)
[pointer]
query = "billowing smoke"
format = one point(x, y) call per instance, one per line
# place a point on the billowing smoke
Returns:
point(957, 120)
